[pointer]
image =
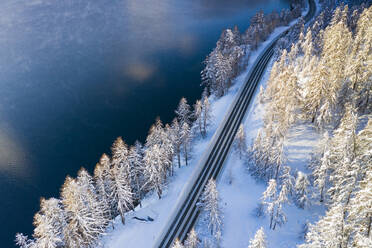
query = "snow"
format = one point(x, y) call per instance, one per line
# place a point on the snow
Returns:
point(239, 199)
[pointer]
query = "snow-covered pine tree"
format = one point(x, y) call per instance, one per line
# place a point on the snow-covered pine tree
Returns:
point(183, 112)
point(177, 139)
point(328, 231)
point(268, 199)
point(185, 134)
point(177, 244)
point(302, 189)
point(121, 192)
point(321, 166)
point(210, 201)
point(345, 168)
point(259, 240)
point(197, 115)
point(192, 240)
point(206, 114)
point(103, 181)
point(137, 168)
point(23, 241)
point(360, 213)
point(85, 220)
point(287, 179)
point(240, 141)
point(156, 162)
point(49, 223)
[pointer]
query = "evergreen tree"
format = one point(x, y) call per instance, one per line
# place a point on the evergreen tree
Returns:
point(301, 186)
point(103, 182)
point(240, 141)
point(206, 114)
point(185, 134)
point(23, 241)
point(177, 244)
point(177, 140)
point(137, 168)
point(259, 240)
point(197, 115)
point(192, 240)
point(183, 112)
point(49, 223)
point(210, 202)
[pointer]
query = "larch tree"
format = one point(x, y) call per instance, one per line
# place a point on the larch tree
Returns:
point(183, 112)
point(240, 141)
point(327, 232)
point(192, 240)
point(177, 140)
point(268, 199)
point(85, 222)
point(137, 168)
point(121, 192)
point(177, 244)
point(210, 201)
point(49, 223)
point(23, 241)
point(302, 189)
point(156, 163)
point(259, 240)
point(206, 114)
point(103, 182)
point(197, 115)
point(185, 134)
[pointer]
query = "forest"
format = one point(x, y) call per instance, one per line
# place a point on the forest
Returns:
point(322, 76)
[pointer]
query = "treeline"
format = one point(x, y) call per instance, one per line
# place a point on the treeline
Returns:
point(88, 204)
point(325, 80)
point(226, 59)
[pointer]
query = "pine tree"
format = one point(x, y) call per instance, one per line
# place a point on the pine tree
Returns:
point(206, 114)
point(302, 191)
point(185, 134)
point(327, 232)
point(156, 163)
point(197, 115)
point(23, 241)
point(137, 168)
point(183, 112)
point(259, 240)
point(103, 182)
point(177, 140)
point(268, 198)
point(240, 141)
point(121, 192)
point(360, 211)
point(49, 223)
point(321, 167)
point(210, 202)
point(85, 218)
point(177, 244)
point(192, 240)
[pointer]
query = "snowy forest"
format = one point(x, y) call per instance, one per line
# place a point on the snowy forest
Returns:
point(322, 76)
point(321, 79)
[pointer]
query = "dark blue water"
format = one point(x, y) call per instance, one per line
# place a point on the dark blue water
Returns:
point(75, 74)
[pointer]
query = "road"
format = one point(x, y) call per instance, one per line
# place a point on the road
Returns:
point(187, 214)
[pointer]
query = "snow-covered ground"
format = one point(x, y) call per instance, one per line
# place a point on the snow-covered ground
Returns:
point(240, 193)
point(136, 233)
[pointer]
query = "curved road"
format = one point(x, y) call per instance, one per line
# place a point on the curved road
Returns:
point(187, 214)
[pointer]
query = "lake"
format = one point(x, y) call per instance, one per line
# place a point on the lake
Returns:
point(75, 74)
